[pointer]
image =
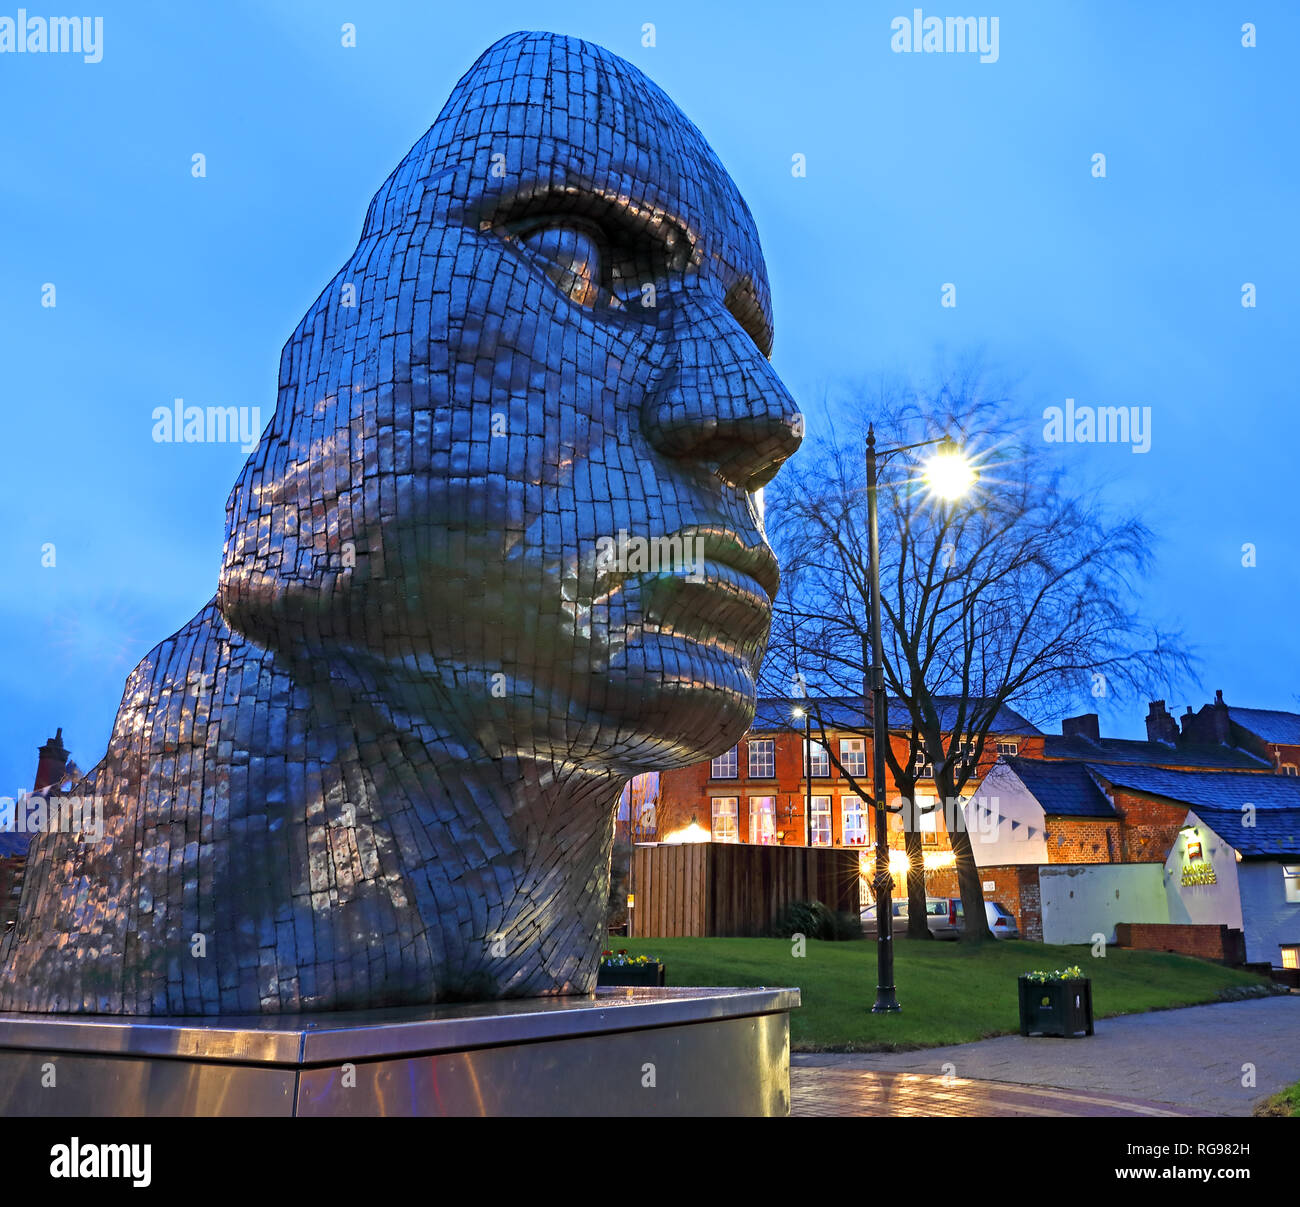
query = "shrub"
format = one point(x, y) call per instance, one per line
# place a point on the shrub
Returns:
point(808, 918)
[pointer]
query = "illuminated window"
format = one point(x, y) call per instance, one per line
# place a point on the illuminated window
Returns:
point(1288, 769)
point(1291, 880)
point(923, 769)
point(725, 828)
point(1291, 957)
point(821, 822)
point(762, 758)
point(1008, 748)
point(726, 766)
point(853, 756)
point(817, 758)
point(762, 820)
point(855, 821)
point(927, 822)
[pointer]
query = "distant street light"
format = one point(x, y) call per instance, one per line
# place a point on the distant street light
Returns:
point(807, 767)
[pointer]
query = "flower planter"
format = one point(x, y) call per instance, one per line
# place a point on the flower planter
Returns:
point(631, 974)
point(1056, 1007)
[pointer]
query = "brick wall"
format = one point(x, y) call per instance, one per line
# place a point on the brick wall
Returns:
point(1150, 826)
point(1083, 840)
point(1015, 887)
point(1220, 943)
point(11, 879)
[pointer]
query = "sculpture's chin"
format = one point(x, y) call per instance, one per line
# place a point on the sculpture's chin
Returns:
point(686, 700)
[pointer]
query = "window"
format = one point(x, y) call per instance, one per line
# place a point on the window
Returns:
point(818, 758)
point(853, 756)
point(762, 820)
point(1008, 748)
point(1291, 881)
point(1291, 956)
point(965, 756)
point(724, 819)
point(762, 758)
point(1288, 769)
point(820, 831)
point(726, 766)
point(923, 769)
point(855, 821)
point(927, 822)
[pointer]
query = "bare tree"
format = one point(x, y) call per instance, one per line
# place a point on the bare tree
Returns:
point(1024, 593)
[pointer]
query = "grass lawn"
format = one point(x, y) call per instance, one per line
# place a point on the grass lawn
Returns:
point(949, 993)
point(1286, 1104)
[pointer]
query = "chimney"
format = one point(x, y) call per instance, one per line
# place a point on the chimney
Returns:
point(1161, 726)
point(52, 763)
point(1220, 719)
point(1085, 726)
point(1189, 721)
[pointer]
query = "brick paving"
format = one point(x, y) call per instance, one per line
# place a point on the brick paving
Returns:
point(825, 1090)
point(1185, 1062)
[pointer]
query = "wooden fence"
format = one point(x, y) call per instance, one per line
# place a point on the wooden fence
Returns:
point(721, 888)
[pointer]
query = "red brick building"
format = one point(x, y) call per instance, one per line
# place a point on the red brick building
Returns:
point(1091, 800)
point(51, 770)
point(760, 791)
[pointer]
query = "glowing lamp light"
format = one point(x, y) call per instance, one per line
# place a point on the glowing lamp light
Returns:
point(692, 833)
point(898, 861)
point(949, 474)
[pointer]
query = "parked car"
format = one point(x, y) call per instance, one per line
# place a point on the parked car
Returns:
point(1002, 922)
point(943, 917)
point(939, 917)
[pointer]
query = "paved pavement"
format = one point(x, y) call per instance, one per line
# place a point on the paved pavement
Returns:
point(1185, 1062)
point(839, 1091)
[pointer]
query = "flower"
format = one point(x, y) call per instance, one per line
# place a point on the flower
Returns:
point(1073, 973)
point(621, 959)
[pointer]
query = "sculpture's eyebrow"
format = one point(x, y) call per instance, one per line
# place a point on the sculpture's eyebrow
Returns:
point(622, 209)
point(636, 218)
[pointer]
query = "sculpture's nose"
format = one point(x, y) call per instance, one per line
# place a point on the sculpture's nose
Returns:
point(719, 401)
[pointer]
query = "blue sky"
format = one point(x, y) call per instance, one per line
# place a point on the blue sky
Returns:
point(922, 169)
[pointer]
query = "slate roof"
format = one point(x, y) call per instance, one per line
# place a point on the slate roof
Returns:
point(846, 712)
point(1268, 724)
point(1063, 789)
point(1131, 750)
point(1275, 834)
point(1206, 788)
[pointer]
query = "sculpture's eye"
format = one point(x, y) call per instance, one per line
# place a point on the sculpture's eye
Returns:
point(571, 257)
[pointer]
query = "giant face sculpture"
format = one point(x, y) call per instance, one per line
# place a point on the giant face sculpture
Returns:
point(381, 766)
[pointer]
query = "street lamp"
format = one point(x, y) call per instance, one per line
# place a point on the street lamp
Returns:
point(949, 475)
point(807, 767)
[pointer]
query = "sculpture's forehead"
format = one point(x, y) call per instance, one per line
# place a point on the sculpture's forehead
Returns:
point(562, 114)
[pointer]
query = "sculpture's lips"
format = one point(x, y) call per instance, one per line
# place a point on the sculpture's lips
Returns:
point(754, 561)
point(695, 555)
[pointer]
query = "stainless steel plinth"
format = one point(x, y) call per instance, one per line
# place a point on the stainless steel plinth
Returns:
point(623, 1052)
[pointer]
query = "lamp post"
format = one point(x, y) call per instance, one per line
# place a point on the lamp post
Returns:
point(949, 476)
point(807, 770)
